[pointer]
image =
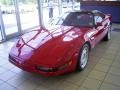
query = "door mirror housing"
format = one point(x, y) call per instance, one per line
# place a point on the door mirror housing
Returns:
point(99, 24)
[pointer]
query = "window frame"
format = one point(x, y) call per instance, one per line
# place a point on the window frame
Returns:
point(100, 14)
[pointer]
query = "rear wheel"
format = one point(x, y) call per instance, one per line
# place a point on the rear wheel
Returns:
point(83, 57)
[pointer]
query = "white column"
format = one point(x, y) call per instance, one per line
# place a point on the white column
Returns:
point(16, 3)
point(60, 6)
point(40, 13)
point(73, 4)
point(2, 26)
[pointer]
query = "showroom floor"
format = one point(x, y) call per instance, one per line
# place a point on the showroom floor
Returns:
point(102, 72)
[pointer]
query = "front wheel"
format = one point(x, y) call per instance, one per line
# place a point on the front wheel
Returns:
point(83, 57)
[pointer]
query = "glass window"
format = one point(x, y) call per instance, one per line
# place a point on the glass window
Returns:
point(98, 19)
point(9, 17)
point(28, 10)
point(77, 19)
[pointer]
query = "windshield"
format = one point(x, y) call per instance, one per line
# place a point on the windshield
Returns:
point(78, 19)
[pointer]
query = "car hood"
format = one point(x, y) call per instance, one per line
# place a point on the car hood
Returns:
point(46, 46)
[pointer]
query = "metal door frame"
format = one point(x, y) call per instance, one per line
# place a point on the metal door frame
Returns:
point(2, 28)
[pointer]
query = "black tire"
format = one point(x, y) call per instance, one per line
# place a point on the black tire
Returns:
point(108, 35)
point(80, 66)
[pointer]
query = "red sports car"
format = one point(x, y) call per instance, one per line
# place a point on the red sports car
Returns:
point(62, 47)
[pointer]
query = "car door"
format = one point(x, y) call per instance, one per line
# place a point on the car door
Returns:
point(100, 28)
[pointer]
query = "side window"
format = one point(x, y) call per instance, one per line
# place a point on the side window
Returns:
point(98, 19)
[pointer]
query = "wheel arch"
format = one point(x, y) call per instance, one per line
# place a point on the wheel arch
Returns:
point(87, 42)
point(77, 66)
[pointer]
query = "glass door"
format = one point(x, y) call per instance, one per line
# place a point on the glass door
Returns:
point(9, 17)
point(29, 17)
point(50, 10)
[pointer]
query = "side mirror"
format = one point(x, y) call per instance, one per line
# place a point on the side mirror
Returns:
point(99, 24)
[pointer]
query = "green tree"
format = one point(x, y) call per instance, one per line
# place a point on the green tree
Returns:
point(33, 1)
point(6, 2)
point(27, 1)
point(11, 2)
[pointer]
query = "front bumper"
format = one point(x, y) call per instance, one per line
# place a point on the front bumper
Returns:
point(32, 68)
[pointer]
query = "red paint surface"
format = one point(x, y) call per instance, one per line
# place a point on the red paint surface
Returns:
point(53, 47)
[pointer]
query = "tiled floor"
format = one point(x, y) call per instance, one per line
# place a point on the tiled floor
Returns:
point(102, 72)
